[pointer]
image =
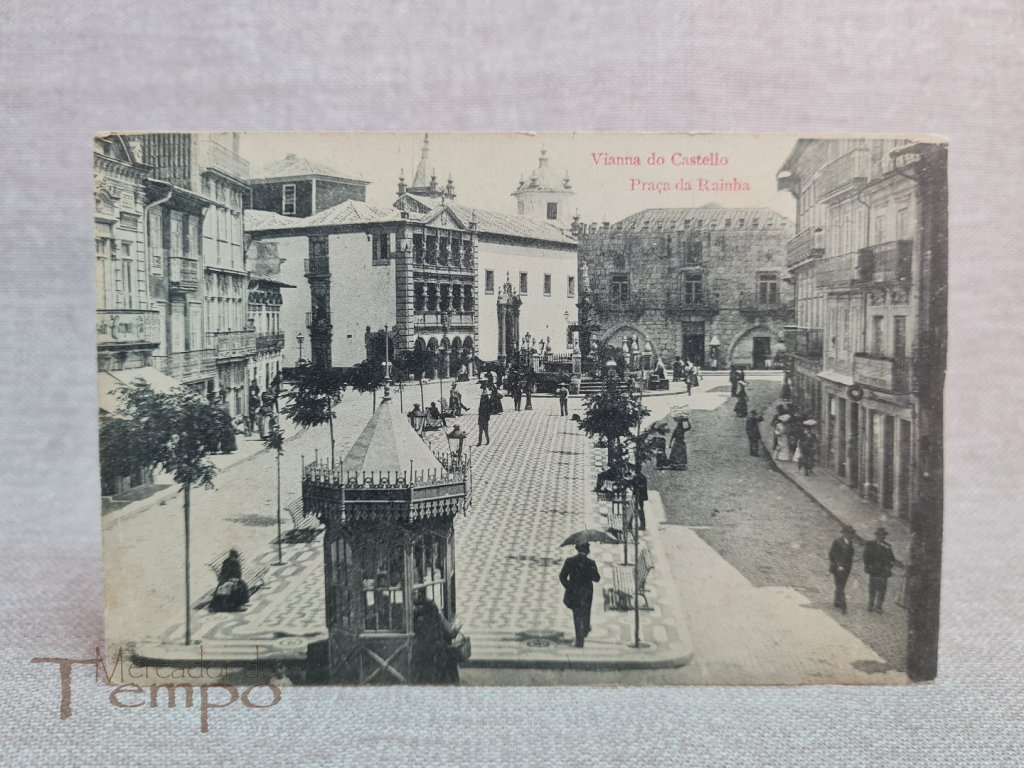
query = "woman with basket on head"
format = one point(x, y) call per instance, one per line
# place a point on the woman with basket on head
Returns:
point(677, 455)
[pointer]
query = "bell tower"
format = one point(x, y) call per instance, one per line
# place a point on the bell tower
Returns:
point(544, 196)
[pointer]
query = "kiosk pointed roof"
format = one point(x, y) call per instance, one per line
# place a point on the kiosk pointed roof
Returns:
point(388, 443)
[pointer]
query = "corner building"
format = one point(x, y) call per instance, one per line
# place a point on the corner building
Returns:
point(859, 264)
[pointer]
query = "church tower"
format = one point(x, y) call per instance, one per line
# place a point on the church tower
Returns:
point(544, 196)
point(424, 182)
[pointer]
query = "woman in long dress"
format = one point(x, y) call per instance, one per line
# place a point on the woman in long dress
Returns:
point(677, 458)
point(741, 401)
point(781, 440)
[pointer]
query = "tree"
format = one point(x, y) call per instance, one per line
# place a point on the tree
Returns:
point(313, 396)
point(175, 431)
point(368, 376)
point(611, 415)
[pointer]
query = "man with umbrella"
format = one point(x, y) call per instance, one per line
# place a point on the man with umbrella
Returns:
point(578, 576)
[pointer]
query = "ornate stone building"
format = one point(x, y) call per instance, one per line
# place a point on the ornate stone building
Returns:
point(708, 284)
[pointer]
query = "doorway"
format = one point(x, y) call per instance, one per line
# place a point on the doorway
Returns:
point(693, 343)
point(762, 351)
point(854, 448)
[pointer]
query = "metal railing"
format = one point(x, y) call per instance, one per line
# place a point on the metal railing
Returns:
point(809, 243)
point(845, 171)
point(232, 344)
point(883, 373)
point(188, 365)
point(885, 262)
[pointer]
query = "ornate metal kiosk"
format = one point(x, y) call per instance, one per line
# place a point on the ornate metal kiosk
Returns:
point(389, 509)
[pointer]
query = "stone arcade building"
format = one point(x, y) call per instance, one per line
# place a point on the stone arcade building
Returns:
point(706, 283)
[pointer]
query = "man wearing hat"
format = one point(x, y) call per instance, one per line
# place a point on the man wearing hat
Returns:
point(840, 561)
point(878, 562)
point(754, 432)
point(578, 576)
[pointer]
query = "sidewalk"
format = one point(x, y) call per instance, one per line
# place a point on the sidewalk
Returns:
point(840, 501)
point(664, 637)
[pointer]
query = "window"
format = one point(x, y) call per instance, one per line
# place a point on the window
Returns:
point(902, 224)
point(523, 283)
point(877, 335)
point(570, 286)
point(552, 211)
point(467, 298)
point(381, 248)
point(177, 239)
point(288, 199)
point(619, 287)
point(155, 241)
point(693, 288)
point(547, 285)
point(692, 251)
point(767, 288)
point(489, 281)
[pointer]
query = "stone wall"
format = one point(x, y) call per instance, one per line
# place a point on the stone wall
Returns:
point(657, 305)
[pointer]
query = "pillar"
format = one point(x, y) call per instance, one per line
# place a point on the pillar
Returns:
point(318, 273)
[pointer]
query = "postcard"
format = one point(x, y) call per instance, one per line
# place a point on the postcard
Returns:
point(521, 408)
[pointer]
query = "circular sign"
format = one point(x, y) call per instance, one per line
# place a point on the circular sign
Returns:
point(855, 393)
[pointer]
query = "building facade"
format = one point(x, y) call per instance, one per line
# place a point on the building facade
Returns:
point(707, 284)
point(128, 326)
point(295, 186)
point(196, 194)
point(857, 260)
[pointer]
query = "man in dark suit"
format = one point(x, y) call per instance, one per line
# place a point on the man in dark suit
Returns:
point(878, 562)
point(483, 417)
point(578, 576)
point(640, 494)
point(840, 561)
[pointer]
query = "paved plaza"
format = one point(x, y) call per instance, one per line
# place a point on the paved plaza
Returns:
point(740, 591)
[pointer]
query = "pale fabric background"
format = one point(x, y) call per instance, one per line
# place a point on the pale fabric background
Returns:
point(68, 69)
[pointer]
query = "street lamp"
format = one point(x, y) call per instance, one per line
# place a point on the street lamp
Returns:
point(529, 373)
point(300, 338)
point(455, 440)
point(417, 418)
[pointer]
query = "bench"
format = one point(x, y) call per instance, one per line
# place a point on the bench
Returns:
point(619, 597)
point(657, 383)
point(305, 528)
point(252, 575)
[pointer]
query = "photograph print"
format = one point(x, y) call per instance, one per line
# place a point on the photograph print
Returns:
point(522, 408)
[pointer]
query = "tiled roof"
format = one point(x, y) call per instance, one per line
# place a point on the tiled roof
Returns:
point(389, 444)
point(710, 216)
point(507, 225)
point(351, 212)
point(293, 165)
point(254, 220)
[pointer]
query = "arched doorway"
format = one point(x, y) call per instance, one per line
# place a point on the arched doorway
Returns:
point(630, 333)
point(752, 347)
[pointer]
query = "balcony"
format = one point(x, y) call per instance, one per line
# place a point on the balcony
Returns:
point(752, 306)
point(127, 327)
point(888, 263)
point(187, 366)
point(805, 342)
point(838, 272)
point(844, 174)
point(808, 244)
point(270, 342)
point(426, 320)
point(885, 374)
point(183, 273)
point(231, 345)
point(217, 157)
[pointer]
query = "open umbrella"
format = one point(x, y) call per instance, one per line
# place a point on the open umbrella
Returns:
point(810, 423)
point(784, 418)
point(589, 534)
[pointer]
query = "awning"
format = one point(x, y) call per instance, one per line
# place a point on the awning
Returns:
point(836, 378)
point(108, 382)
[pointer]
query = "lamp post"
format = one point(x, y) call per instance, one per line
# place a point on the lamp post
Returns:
point(455, 440)
point(300, 338)
point(417, 418)
point(529, 371)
